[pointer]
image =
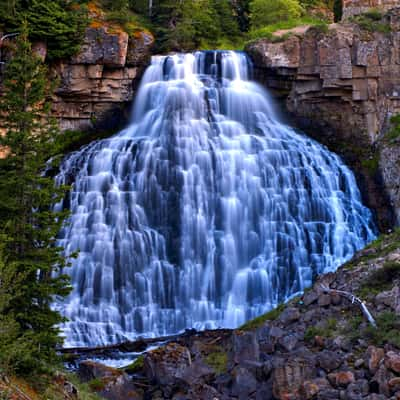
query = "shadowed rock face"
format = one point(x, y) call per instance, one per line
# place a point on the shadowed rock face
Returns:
point(99, 82)
point(342, 86)
point(355, 7)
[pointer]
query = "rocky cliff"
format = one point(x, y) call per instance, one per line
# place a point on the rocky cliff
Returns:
point(318, 346)
point(97, 85)
point(342, 85)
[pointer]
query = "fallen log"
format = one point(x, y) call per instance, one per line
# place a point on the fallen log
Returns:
point(353, 299)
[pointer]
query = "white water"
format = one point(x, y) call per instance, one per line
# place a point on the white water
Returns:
point(205, 212)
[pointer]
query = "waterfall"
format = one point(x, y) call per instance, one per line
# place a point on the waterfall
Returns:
point(205, 212)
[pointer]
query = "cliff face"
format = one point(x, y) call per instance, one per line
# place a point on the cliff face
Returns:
point(355, 7)
point(97, 84)
point(342, 86)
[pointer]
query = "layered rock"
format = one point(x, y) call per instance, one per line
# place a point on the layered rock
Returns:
point(342, 86)
point(98, 83)
point(355, 7)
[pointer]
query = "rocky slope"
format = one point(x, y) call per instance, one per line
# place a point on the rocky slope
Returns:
point(318, 346)
point(342, 85)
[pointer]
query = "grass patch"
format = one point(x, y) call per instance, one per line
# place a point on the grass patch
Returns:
point(96, 385)
point(381, 279)
point(259, 321)
point(218, 361)
point(382, 246)
point(267, 31)
point(371, 21)
point(135, 367)
point(387, 332)
point(327, 330)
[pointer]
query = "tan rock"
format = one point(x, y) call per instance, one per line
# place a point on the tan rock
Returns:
point(392, 361)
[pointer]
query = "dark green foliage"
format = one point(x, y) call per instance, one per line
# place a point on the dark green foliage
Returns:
point(388, 330)
point(59, 23)
point(194, 24)
point(28, 225)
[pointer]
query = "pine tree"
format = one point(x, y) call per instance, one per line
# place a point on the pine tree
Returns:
point(27, 223)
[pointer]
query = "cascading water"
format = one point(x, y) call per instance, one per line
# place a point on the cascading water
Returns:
point(205, 212)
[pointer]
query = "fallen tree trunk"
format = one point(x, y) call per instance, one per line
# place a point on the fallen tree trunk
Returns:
point(354, 300)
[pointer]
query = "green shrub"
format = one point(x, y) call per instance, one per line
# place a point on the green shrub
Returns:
point(264, 12)
point(394, 132)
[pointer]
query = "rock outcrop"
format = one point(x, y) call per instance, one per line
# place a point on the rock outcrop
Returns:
point(342, 86)
point(318, 346)
point(355, 7)
point(98, 83)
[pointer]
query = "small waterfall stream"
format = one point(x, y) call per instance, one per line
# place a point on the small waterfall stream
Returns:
point(205, 212)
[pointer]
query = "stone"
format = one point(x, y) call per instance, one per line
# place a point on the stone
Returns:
point(289, 315)
point(167, 365)
point(390, 298)
point(357, 390)
point(329, 360)
point(138, 48)
point(245, 346)
point(324, 300)
point(392, 361)
point(244, 383)
point(380, 381)
point(310, 389)
point(373, 357)
point(288, 342)
point(394, 384)
point(341, 378)
point(310, 297)
point(289, 376)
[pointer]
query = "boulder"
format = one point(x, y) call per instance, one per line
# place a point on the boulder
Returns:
point(167, 365)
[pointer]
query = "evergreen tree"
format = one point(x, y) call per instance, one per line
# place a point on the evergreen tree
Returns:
point(29, 257)
point(60, 23)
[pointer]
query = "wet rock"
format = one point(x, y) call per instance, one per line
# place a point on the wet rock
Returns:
point(329, 360)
